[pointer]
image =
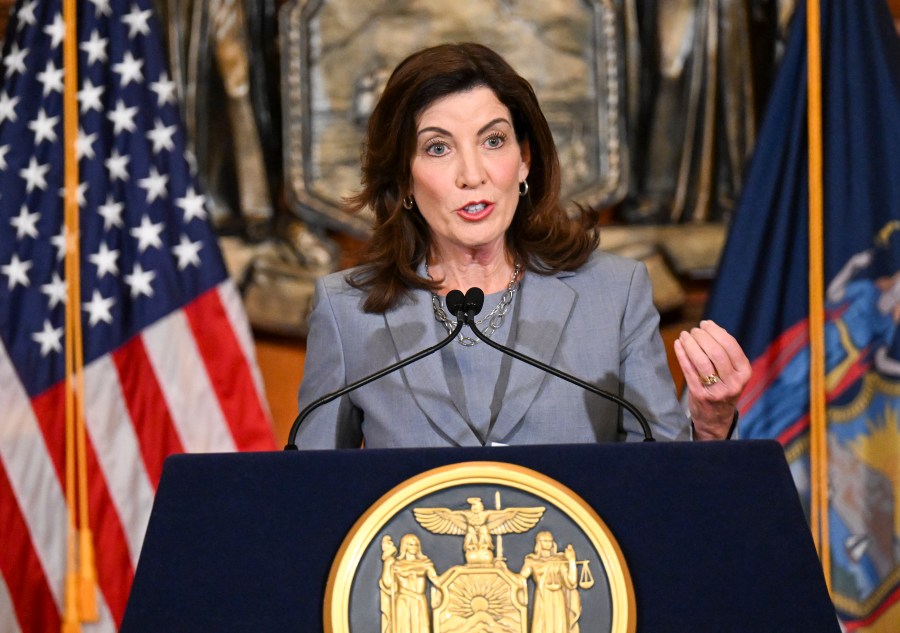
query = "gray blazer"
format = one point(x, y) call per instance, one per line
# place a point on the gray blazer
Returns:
point(597, 323)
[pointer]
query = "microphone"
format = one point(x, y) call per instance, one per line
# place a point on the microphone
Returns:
point(455, 305)
point(474, 301)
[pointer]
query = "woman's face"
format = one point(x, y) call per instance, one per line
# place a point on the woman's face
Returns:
point(545, 541)
point(466, 171)
point(410, 546)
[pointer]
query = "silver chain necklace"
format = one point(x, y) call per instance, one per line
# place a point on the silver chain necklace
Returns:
point(494, 318)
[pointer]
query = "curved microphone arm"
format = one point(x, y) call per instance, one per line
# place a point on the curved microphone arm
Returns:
point(454, 304)
point(474, 302)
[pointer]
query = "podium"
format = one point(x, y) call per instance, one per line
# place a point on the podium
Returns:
point(712, 533)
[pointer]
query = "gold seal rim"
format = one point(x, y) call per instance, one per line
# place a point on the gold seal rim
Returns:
point(336, 615)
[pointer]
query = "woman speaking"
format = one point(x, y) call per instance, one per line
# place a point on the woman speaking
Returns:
point(461, 170)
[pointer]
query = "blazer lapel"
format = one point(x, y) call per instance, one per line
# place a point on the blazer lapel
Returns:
point(545, 304)
point(411, 327)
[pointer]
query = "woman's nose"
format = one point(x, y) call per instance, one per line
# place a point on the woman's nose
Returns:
point(471, 170)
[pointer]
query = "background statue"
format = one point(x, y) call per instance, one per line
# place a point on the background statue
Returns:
point(699, 75)
point(696, 71)
point(224, 60)
point(210, 59)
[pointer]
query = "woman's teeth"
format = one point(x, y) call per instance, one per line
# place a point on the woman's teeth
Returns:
point(474, 208)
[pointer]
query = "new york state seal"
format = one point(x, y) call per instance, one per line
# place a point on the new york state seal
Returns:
point(479, 547)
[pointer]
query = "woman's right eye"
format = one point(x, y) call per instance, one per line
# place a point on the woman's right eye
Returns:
point(436, 148)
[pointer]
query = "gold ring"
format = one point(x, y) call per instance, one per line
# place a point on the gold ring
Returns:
point(710, 380)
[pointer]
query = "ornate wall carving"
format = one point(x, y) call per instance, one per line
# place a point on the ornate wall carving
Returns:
point(337, 55)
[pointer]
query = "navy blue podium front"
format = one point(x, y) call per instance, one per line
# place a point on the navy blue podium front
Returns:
point(713, 533)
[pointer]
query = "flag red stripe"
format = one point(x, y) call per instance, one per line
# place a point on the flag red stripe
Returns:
point(794, 430)
point(801, 425)
point(46, 406)
point(229, 373)
point(118, 450)
point(114, 568)
point(146, 404)
point(768, 365)
point(21, 568)
point(854, 373)
point(234, 308)
point(183, 378)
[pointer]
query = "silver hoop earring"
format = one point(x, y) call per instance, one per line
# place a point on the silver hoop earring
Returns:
point(523, 188)
point(408, 203)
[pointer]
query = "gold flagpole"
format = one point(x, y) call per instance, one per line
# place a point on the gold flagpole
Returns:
point(71, 622)
point(818, 430)
point(81, 581)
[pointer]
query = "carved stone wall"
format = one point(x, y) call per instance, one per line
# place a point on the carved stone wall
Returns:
point(337, 55)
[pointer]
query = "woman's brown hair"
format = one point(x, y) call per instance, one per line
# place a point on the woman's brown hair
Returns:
point(542, 237)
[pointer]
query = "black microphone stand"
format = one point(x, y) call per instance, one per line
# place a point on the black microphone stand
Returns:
point(454, 304)
point(474, 300)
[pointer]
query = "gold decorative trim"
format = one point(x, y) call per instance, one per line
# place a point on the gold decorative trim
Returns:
point(797, 448)
point(367, 528)
point(862, 609)
point(872, 383)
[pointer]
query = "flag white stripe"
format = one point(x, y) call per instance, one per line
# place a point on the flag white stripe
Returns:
point(182, 376)
point(32, 477)
point(118, 451)
point(237, 316)
point(8, 621)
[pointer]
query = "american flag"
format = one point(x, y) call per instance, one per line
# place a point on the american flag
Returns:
point(169, 361)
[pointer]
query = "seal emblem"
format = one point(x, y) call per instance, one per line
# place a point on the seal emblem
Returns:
point(398, 572)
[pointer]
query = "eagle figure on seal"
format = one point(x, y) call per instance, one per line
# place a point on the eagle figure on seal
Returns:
point(478, 524)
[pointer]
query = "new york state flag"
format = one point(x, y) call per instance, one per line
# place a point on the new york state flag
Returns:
point(762, 295)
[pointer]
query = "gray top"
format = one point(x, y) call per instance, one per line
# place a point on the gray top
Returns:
point(475, 374)
point(597, 323)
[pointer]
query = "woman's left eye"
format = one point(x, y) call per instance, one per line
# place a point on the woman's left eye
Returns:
point(494, 141)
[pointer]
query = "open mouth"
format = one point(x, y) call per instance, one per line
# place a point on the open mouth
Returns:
point(474, 208)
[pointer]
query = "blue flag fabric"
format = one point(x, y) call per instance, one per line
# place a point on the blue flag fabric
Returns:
point(761, 294)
